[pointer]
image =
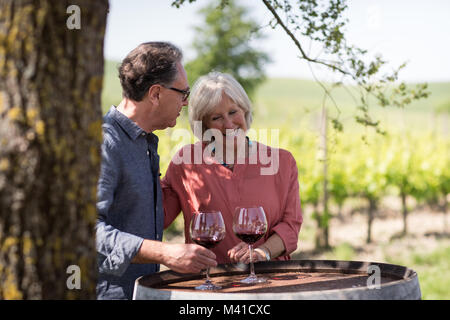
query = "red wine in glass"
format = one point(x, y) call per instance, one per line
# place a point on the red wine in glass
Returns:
point(250, 238)
point(250, 225)
point(206, 242)
point(207, 230)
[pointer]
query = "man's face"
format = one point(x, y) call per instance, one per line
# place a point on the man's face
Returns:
point(172, 101)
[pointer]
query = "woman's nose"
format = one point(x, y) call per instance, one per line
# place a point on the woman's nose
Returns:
point(228, 124)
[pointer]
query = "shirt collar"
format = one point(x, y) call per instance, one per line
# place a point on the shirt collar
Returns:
point(152, 139)
point(130, 127)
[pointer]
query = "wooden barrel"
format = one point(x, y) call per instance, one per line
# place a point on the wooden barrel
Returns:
point(288, 280)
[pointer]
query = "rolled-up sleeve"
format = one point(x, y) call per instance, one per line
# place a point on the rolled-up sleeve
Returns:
point(289, 226)
point(115, 248)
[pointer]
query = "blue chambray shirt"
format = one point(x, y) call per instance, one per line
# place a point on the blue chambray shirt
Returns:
point(129, 204)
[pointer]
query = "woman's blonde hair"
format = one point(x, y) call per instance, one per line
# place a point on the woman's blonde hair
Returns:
point(207, 93)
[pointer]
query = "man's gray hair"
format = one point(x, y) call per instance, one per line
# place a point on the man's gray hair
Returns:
point(148, 64)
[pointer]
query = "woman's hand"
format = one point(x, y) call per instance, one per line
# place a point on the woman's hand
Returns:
point(241, 253)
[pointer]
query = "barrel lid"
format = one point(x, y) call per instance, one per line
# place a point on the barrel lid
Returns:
point(293, 279)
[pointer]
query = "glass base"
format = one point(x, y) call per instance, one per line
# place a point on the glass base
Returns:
point(208, 285)
point(251, 279)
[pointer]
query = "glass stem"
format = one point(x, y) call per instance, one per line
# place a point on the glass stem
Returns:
point(252, 267)
point(207, 276)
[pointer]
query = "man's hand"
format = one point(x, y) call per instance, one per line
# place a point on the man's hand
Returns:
point(183, 258)
point(188, 258)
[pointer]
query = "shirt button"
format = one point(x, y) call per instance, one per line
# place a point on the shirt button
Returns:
point(143, 134)
point(148, 152)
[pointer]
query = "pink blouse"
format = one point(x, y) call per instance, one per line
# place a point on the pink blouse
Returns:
point(211, 186)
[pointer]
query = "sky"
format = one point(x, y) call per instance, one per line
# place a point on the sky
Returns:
point(412, 31)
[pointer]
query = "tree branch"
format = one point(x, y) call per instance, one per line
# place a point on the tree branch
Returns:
point(297, 43)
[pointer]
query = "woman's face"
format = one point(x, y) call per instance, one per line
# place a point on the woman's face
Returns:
point(228, 118)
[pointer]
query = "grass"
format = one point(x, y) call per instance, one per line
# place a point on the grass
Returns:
point(310, 94)
point(344, 251)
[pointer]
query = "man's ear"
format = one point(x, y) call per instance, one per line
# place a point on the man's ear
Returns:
point(154, 94)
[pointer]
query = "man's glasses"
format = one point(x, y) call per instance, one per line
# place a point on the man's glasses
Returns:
point(185, 93)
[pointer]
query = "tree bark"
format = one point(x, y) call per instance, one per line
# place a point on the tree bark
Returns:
point(50, 137)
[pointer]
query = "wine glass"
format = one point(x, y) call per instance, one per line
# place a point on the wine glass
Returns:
point(250, 225)
point(207, 230)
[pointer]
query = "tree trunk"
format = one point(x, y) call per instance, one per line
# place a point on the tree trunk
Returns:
point(50, 137)
point(322, 234)
point(445, 209)
point(371, 215)
point(319, 237)
point(340, 214)
point(404, 213)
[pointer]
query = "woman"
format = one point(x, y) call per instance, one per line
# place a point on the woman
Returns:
point(233, 172)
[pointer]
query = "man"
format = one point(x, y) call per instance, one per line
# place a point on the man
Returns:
point(130, 222)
